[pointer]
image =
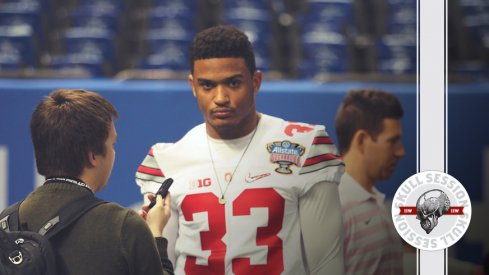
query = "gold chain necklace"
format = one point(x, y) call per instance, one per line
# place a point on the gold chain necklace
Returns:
point(222, 200)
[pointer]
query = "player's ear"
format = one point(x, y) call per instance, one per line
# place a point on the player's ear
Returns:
point(257, 78)
point(190, 80)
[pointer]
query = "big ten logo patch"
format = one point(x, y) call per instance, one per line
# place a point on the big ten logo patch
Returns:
point(431, 210)
point(200, 183)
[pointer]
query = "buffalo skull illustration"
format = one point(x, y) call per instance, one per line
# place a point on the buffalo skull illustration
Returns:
point(430, 206)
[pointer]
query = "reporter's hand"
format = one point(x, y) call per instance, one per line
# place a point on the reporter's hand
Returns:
point(158, 216)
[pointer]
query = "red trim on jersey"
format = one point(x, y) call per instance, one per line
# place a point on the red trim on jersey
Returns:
point(322, 140)
point(150, 171)
point(150, 153)
point(318, 159)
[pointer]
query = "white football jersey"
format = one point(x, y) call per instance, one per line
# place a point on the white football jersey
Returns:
point(256, 230)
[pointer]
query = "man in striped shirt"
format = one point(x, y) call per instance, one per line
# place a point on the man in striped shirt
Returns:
point(368, 127)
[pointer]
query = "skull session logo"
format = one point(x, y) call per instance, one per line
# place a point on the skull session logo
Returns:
point(431, 210)
point(428, 210)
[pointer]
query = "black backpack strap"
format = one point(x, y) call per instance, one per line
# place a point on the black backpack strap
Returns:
point(9, 218)
point(68, 214)
point(7, 244)
point(9, 221)
point(11, 243)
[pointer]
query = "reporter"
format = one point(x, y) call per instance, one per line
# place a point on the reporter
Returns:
point(74, 135)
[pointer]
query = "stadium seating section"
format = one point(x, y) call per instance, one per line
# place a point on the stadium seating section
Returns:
point(293, 39)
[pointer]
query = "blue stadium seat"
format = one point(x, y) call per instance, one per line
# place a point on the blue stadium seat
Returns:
point(178, 12)
point(175, 25)
point(107, 22)
point(247, 13)
point(402, 28)
point(474, 6)
point(187, 4)
point(19, 13)
point(401, 17)
point(323, 52)
point(476, 19)
point(90, 48)
point(170, 57)
point(393, 44)
point(397, 54)
point(253, 4)
point(171, 19)
point(104, 6)
point(397, 66)
point(402, 12)
point(94, 64)
point(26, 14)
point(103, 14)
point(253, 19)
point(170, 30)
point(331, 12)
point(472, 69)
point(260, 35)
point(323, 40)
point(40, 3)
point(166, 48)
point(19, 37)
point(87, 39)
point(10, 56)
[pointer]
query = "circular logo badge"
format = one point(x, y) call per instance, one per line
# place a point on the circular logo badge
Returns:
point(431, 210)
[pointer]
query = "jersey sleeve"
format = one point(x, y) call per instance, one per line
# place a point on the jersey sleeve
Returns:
point(321, 227)
point(319, 205)
point(149, 175)
point(149, 178)
point(322, 162)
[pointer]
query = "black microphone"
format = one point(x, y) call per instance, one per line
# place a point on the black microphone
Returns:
point(163, 190)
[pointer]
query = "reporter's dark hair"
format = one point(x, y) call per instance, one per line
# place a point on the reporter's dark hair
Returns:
point(67, 125)
point(364, 109)
point(221, 42)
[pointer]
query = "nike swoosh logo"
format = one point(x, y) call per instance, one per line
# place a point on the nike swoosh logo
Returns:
point(250, 179)
point(368, 221)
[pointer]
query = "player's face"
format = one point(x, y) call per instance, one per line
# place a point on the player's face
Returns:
point(384, 152)
point(225, 92)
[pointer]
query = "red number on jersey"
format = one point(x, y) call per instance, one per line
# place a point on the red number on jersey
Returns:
point(266, 198)
point(211, 240)
point(296, 128)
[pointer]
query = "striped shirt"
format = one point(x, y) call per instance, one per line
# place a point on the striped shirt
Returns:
point(372, 245)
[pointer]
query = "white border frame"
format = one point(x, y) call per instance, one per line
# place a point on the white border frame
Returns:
point(432, 107)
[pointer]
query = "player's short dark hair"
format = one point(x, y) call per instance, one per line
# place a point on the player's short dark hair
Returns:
point(221, 42)
point(67, 125)
point(364, 109)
